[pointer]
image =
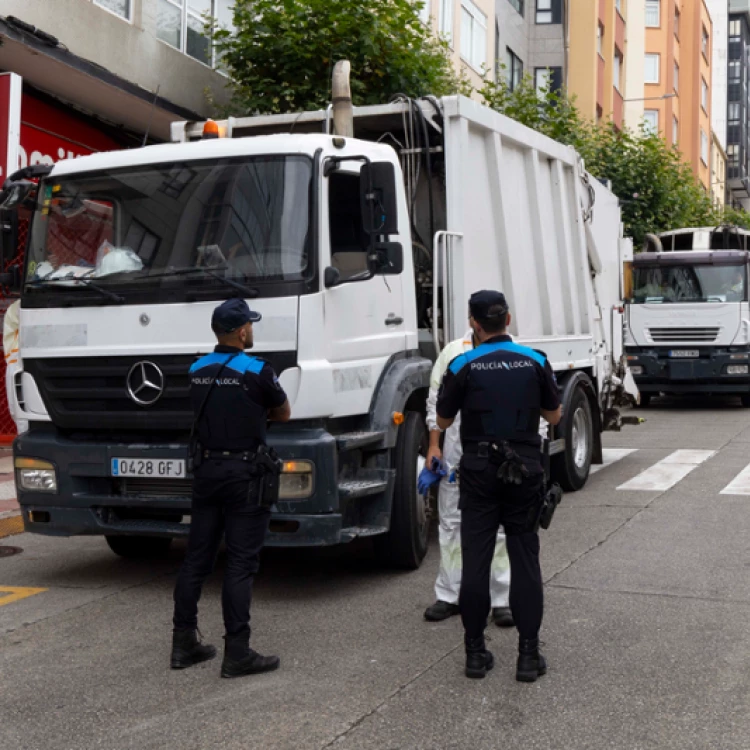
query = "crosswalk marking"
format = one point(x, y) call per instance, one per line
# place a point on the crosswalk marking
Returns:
point(611, 456)
point(7, 490)
point(667, 472)
point(740, 485)
point(6, 465)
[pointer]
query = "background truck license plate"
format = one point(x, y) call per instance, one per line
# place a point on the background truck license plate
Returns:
point(165, 468)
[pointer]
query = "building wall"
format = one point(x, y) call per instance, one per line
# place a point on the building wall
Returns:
point(718, 173)
point(635, 48)
point(512, 30)
point(738, 112)
point(719, 11)
point(129, 49)
point(461, 59)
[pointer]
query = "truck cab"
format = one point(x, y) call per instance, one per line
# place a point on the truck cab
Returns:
point(688, 320)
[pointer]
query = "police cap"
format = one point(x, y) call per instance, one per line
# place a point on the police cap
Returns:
point(231, 315)
point(487, 304)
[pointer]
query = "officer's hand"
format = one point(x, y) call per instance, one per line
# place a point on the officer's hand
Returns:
point(433, 452)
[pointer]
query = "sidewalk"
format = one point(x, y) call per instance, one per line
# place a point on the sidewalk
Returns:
point(9, 510)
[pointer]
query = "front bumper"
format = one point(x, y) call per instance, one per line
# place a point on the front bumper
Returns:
point(706, 373)
point(91, 502)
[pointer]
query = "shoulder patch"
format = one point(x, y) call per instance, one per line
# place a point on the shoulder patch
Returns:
point(458, 363)
point(245, 363)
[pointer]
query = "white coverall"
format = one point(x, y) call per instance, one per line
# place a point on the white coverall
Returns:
point(12, 361)
point(448, 581)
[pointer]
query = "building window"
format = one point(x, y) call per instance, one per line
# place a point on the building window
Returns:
point(651, 121)
point(122, 8)
point(704, 95)
point(180, 24)
point(424, 11)
point(733, 112)
point(675, 131)
point(677, 22)
point(473, 35)
point(733, 156)
point(617, 69)
point(735, 29)
point(445, 19)
point(704, 147)
point(599, 38)
point(651, 69)
point(704, 42)
point(676, 78)
point(518, 5)
point(548, 79)
point(513, 68)
point(734, 71)
point(653, 13)
point(549, 11)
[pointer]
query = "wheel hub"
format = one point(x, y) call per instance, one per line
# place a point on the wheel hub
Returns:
point(580, 437)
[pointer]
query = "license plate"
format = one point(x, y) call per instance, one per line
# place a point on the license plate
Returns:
point(684, 353)
point(157, 468)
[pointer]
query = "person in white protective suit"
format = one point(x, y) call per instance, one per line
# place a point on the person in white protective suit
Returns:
point(448, 581)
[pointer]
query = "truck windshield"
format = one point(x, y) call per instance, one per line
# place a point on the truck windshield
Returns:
point(201, 224)
point(684, 283)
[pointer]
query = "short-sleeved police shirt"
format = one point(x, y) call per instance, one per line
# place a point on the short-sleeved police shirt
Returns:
point(236, 412)
point(500, 389)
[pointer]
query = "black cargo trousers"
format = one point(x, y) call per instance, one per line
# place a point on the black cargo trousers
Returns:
point(486, 502)
point(225, 504)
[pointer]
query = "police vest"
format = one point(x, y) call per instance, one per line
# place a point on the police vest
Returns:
point(502, 394)
point(234, 418)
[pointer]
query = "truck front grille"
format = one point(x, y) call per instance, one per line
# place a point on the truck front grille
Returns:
point(91, 393)
point(154, 487)
point(683, 335)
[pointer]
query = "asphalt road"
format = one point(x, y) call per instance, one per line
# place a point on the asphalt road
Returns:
point(647, 629)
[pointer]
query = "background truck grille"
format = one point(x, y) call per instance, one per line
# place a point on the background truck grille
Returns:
point(154, 487)
point(683, 335)
point(90, 393)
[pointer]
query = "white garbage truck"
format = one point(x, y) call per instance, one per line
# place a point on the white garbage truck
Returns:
point(688, 319)
point(360, 252)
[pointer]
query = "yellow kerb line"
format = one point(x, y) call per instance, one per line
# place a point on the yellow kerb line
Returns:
point(10, 594)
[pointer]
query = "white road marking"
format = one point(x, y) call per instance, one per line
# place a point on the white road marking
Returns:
point(740, 485)
point(611, 456)
point(7, 490)
point(6, 465)
point(667, 472)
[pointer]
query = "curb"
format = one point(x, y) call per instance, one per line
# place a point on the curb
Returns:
point(11, 525)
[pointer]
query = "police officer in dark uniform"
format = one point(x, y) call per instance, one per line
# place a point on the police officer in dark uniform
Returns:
point(501, 390)
point(233, 396)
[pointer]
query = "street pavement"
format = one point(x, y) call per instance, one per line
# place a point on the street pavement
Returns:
point(647, 629)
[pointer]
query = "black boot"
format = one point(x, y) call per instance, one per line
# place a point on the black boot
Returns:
point(240, 659)
point(502, 617)
point(188, 650)
point(440, 610)
point(531, 663)
point(479, 660)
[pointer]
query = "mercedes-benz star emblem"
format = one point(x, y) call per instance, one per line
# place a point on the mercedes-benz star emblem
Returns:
point(145, 383)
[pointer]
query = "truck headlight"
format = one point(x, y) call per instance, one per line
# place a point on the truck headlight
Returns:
point(737, 369)
point(35, 475)
point(297, 480)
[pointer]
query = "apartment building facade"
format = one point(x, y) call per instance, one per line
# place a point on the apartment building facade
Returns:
point(738, 109)
point(469, 28)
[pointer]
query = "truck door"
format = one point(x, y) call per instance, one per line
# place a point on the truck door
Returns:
point(364, 317)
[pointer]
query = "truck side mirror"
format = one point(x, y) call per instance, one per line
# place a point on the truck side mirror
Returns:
point(331, 277)
point(378, 198)
point(11, 278)
point(388, 258)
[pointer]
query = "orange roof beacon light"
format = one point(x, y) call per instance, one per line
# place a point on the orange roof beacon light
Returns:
point(210, 129)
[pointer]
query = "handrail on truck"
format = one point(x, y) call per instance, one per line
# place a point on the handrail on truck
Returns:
point(440, 260)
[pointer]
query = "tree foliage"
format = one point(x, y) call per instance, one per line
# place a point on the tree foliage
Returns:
point(281, 55)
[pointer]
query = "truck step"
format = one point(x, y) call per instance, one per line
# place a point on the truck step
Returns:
point(351, 489)
point(353, 532)
point(348, 441)
point(144, 526)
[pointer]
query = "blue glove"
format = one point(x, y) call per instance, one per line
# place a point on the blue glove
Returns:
point(430, 476)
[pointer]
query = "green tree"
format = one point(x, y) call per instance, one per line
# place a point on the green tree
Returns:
point(281, 55)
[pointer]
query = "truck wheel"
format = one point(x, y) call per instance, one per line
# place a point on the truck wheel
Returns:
point(745, 400)
point(571, 468)
point(134, 547)
point(405, 544)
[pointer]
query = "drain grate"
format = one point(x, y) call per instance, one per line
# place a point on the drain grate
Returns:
point(9, 551)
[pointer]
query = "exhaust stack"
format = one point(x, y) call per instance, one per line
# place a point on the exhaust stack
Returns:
point(343, 114)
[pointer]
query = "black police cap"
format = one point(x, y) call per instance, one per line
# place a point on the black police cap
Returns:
point(232, 314)
point(481, 303)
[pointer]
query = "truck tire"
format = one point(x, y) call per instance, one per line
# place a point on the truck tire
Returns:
point(135, 547)
point(405, 544)
point(745, 400)
point(571, 468)
point(645, 400)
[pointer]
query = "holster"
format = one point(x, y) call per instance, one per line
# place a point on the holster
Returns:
point(268, 468)
point(553, 495)
point(195, 455)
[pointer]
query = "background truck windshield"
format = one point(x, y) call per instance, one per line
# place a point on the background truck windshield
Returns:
point(682, 283)
point(200, 222)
